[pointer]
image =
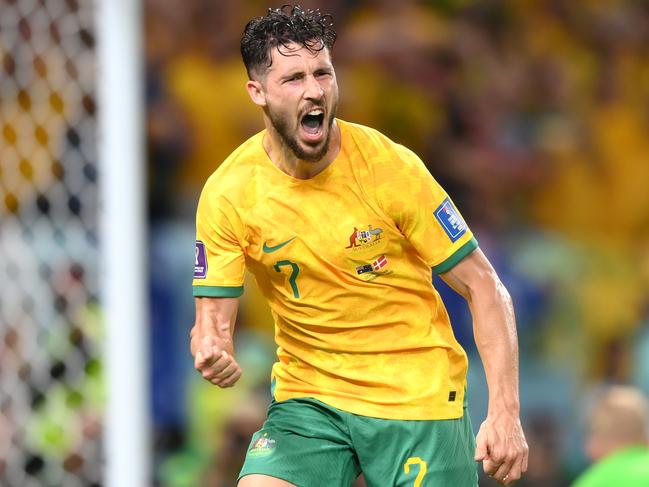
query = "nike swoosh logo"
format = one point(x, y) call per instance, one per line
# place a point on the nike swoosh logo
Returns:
point(269, 250)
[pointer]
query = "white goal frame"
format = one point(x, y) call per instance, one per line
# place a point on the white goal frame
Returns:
point(122, 241)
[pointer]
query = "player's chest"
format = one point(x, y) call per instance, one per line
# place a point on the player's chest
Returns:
point(345, 232)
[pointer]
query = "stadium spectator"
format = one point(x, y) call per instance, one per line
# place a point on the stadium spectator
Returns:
point(618, 440)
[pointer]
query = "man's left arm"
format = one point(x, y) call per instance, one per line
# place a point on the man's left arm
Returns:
point(501, 444)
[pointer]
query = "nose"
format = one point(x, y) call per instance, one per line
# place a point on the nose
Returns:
point(312, 89)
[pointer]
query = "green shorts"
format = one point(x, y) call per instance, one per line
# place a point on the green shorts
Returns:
point(310, 444)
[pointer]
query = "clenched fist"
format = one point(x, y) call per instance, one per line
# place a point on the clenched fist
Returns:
point(502, 448)
point(215, 362)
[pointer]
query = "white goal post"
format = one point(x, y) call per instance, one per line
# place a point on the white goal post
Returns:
point(123, 236)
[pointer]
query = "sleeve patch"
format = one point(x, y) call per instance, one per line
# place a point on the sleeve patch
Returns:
point(450, 220)
point(200, 261)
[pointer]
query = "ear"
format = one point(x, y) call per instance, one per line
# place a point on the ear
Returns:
point(256, 92)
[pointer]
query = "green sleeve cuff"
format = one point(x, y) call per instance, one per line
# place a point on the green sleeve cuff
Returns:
point(218, 291)
point(456, 257)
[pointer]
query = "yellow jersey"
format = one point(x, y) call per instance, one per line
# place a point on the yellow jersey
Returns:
point(344, 260)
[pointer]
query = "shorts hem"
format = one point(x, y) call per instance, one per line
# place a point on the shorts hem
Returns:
point(242, 475)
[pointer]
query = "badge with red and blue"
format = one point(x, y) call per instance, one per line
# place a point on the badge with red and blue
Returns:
point(450, 220)
point(375, 266)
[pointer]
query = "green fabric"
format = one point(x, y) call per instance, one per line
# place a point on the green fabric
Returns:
point(628, 468)
point(455, 258)
point(311, 444)
point(218, 291)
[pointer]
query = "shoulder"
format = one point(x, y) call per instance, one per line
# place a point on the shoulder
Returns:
point(235, 173)
point(390, 165)
point(230, 190)
point(594, 476)
point(622, 466)
point(367, 138)
point(379, 148)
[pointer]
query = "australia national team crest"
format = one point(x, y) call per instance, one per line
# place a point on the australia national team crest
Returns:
point(370, 238)
point(364, 238)
point(263, 446)
point(450, 220)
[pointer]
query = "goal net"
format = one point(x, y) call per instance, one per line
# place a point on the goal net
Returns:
point(51, 387)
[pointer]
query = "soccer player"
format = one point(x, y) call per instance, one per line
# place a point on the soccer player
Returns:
point(341, 227)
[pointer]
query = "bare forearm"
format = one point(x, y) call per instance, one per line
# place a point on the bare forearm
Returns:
point(501, 444)
point(211, 340)
point(494, 328)
point(214, 318)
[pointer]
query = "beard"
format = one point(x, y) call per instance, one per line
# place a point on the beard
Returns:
point(289, 137)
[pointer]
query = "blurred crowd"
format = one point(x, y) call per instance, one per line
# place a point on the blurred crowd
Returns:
point(533, 115)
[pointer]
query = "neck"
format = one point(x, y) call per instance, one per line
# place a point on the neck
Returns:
point(286, 160)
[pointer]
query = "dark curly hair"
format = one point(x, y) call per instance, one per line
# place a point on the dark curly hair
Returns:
point(280, 27)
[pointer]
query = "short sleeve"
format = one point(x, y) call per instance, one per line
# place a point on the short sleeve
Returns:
point(424, 213)
point(219, 261)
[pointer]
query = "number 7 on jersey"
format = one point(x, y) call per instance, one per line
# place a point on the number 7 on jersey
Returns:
point(292, 279)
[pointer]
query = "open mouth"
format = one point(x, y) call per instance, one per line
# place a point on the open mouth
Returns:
point(312, 123)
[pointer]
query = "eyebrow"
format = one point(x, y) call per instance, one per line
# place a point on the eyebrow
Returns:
point(291, 74)
point(319, 69)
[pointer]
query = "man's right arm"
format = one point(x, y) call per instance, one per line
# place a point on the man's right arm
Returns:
point(211, 340)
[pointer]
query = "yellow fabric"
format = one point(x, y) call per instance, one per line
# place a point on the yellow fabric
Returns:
point(377, 343)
